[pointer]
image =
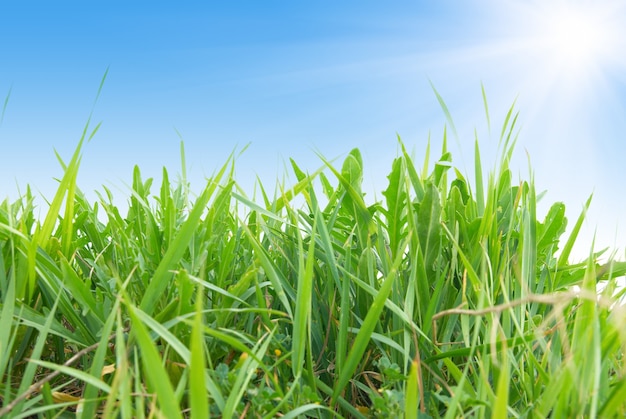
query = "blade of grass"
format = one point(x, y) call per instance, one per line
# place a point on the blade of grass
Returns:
point(28, 375)
point(76, 373)
point(444, 107)
point(411, 394)
point(90, 393)
point(122, 380)
point(153, 367)
point(162, 275)
point(302, 410)
point(569, 245)
point(363, 336)
point(281, 286)
point(302, 319)
point(6, 318)
point(502, 391)
point(482, 89)
point(480, 195)
point(245, 374)
point(198, 399)
point(4, 107)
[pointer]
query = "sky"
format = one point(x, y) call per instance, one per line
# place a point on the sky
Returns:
point(298, 79)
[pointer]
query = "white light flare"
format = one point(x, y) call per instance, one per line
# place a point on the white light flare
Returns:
point(575, 41)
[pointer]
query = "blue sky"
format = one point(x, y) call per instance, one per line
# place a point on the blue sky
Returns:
point(295, 78)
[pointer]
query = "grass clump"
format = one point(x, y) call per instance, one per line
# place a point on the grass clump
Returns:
point(444, 299)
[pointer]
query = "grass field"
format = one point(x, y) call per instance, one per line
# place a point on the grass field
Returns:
point(444, 299)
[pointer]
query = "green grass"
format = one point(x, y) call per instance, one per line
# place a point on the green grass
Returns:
point(444, 299)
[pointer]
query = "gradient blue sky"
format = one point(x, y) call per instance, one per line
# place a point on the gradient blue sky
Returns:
point(293, 78)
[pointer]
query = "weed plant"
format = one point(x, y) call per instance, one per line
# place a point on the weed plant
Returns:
point(444, 299)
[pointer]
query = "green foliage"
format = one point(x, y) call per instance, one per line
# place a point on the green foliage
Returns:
point(447, 298)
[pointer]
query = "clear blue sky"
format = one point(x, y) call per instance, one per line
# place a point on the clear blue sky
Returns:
point(293, 78)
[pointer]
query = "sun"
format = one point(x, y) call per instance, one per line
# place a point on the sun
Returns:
point(575, 39)
point(561, 56)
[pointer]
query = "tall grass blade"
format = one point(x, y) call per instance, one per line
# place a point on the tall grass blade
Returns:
point(302, 318)
point(4, 106)
point(6, 318)
point(365, 332)
point(411, 396)
point(478, 173)
point(446, 112)
point(502, 389)
point(199, 402)
point(569, 244)
point(162, 275)
point(153, 368)
point(482, 89)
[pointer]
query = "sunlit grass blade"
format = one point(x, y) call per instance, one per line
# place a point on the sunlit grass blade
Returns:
point(6, 318)
point(365, 332)
point(153, 368)
point(198, 397)
point(485, 104)
point(4, 107)
point(446, 112)
point(569, 244)
point(502, 389)
point(288, 195)
point(478, 171)
point(586, 347)
point(281, 286)
point(160, 279)
point(411, 394)
point(302, 318)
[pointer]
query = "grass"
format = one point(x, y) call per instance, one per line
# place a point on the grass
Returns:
point(445, 299)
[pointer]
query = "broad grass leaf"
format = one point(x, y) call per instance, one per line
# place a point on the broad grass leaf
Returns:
point(326, 186)
point(352, 169)
point(441, 168)
point(429, 228)
point(553, 226)
point(396, 200)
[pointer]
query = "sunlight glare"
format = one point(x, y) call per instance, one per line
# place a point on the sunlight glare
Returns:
point(576, 39)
